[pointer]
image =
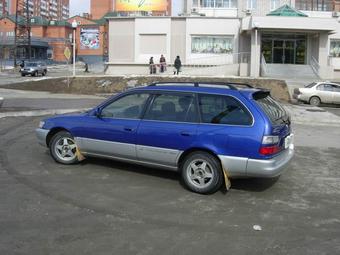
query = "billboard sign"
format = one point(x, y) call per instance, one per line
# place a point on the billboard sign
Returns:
point(89, 38)
point(141, 5)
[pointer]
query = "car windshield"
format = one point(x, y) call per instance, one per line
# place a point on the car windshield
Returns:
point(276, 113)
point(311, 85)
point(31, 64)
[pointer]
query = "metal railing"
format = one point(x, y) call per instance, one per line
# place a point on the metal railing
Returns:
point(315, 66)
point(218, 60)
point(263, 65)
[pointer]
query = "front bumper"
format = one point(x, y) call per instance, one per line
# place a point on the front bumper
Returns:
point(42, 135)
point(271, 167)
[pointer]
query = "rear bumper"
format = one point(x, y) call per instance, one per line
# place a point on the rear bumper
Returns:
point(265, 168)
point(271, 167)
point(42, 135)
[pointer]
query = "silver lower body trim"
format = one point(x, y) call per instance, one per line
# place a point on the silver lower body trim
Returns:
point(42, 135)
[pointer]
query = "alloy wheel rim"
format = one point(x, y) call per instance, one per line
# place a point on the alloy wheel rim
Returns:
point(200, 173)
point(65, 148)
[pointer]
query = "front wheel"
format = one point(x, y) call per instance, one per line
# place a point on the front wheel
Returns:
point(202, 173)
point(63, 148)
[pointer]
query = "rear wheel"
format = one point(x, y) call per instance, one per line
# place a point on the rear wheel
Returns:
point(63, 148)
point(315, 101)
point(202, 173)
point(44, 73)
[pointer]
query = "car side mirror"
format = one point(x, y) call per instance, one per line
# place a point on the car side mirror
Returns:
point(97, 113)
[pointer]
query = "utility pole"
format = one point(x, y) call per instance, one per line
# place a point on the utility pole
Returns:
point(22, 39)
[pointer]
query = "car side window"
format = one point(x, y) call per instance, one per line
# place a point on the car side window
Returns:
point(173, 107)
point(336, 88)
point(325, 87)
point(216, 109)
point(127, 107)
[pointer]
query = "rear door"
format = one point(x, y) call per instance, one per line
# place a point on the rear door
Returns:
point(168, 128)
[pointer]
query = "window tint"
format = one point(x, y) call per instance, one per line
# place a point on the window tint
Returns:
point(223, 110)
point(273, 110)
point(170, 107)
point(127, 107)
point(325, 87)
point(336, 88)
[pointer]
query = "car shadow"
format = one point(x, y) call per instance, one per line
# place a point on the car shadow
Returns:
point(139, 169)
point(246, 184)
point(253, 184)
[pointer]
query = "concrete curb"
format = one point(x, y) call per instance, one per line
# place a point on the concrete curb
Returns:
point(40, 113)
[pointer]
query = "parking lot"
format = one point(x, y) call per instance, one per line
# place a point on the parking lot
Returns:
point(106, 207)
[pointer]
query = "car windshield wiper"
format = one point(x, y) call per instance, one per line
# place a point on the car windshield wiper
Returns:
point(285, 121)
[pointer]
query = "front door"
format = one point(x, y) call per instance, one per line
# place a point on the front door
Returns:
point(278, 52)
point(114, 132)
point(168, 128)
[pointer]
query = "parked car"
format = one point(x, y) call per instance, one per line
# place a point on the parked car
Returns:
point(197, 129)
point(34, 69)
point(317, 93)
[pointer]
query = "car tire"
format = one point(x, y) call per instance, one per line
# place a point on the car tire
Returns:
point(44, 73)
point(315, 101)
point(202, 173)
point(23, 75)
point(63, 148)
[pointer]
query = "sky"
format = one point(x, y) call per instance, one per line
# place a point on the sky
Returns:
point(81, 6)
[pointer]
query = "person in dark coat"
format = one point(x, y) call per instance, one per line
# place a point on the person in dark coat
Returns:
point(177, 65)
point(152, 66)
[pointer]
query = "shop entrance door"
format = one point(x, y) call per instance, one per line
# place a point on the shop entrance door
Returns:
point(284, 52)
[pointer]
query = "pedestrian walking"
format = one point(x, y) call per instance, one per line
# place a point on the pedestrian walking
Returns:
point(152, 66)
point(86, 68)
point(177, 65)
point(162, 63)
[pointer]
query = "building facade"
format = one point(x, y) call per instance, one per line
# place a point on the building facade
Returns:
point(47, 9)
point(245, 37)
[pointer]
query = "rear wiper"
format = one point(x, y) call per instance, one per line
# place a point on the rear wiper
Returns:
point(285, 121)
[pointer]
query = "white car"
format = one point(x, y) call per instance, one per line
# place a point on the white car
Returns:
point(317, 93)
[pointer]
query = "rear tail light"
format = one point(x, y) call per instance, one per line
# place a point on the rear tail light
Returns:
point(266, 151)
point(270, 145)
point(270, 140)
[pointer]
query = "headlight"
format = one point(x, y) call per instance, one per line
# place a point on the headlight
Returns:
point(41, 124)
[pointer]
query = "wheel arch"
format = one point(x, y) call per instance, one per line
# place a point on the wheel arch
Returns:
point(196, 149)
point(316, 97)
point(52, 132)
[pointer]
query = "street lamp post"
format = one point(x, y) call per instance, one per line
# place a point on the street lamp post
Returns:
point(74, 26)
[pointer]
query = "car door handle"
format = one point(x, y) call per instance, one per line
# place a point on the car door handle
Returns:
point(186, 133)
point(128, 129)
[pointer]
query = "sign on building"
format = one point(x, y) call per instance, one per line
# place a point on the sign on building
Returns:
point(141, 5)
point(89, 38)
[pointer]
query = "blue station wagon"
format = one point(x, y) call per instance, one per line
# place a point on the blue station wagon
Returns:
point(206, 131)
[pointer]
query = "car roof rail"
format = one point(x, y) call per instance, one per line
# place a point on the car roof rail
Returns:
point(230, 85)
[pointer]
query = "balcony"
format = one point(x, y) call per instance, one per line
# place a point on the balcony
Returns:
point(215, 8)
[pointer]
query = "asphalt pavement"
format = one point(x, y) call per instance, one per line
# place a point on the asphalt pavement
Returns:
point(107, 207)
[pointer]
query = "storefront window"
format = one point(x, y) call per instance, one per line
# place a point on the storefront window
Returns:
point(218, 3)
point(251, 4)
point(334, 49)
point(211, 45)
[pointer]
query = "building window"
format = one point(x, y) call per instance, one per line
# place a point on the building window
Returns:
point(218, 3)
point(314, 5)
point(211, 45)
point(251, 4)
point(274, 4)
point(334, 49)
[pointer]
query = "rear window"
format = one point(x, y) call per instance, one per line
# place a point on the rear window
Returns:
point(275, 112)
point(311, 85)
